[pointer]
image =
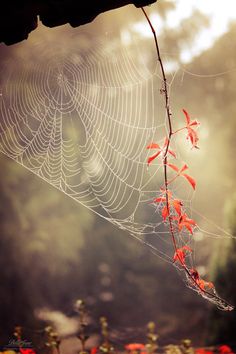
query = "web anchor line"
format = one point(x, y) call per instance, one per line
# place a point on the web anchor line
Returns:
point(191, 279)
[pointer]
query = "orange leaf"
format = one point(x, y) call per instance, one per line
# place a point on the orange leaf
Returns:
point(185, 167)
point(175, 168)
point(190, 180)
point(186, 116)
point(180, 254)
point(153, 157)
point(205, 284)
point(184, 221)
point(159, 200)
point(153, 146)
point(194, 122)
point(171, 152)
point(192, 135)
point(177, 204)
point(165, 212)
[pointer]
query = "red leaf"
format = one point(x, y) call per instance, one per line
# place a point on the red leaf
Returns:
point(171, 152)
point(192, 134)
point(184, 221)
point(153, 146)
point(204, 285)
point(165, 212)
point(180, 173)
point(190, 180)
point(177, 204)
point(187, 116)
point(185, 167)
point(188, 227)
point(159, 200)
point(180, 254)
point(153, 157)
point(194, 122)
point(175, 168)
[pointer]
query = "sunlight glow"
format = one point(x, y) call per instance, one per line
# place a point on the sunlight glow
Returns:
point(219, 13)
point(144, 30)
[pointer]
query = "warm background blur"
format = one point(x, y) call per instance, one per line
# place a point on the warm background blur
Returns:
point(54, 251)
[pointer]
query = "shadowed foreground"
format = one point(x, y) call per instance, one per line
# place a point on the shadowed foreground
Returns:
point(19, 18)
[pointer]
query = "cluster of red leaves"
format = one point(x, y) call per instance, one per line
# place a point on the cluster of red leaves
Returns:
point(176, 204)
point(131, 348)
point(140, 348)
point(191, 135)
point(203, 285)
point(185, 222)
point(172, 207)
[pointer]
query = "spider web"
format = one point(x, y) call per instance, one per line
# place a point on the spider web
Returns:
point(80, 118)
point(82, 122)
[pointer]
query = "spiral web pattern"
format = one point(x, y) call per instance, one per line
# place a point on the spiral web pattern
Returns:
point(82, 122)
point(81, 118)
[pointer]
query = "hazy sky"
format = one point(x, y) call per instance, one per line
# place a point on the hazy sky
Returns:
point(220, 15)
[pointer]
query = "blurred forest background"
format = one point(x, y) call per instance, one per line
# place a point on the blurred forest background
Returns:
point(54, 251)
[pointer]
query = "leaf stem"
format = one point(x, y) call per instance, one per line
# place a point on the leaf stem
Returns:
point(179, 130)
point(172, 180)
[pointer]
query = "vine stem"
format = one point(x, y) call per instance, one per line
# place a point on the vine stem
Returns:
point(165, 164)
point(168, 112)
